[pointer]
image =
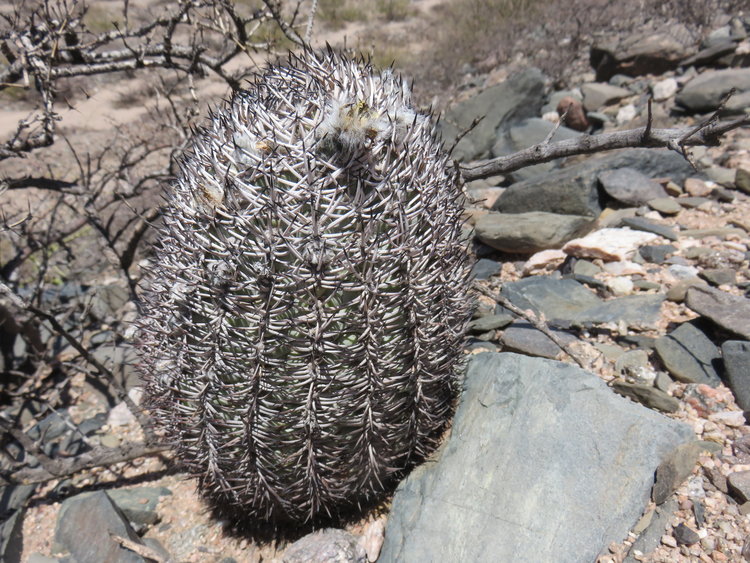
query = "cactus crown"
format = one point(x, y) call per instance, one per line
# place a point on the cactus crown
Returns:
point(307, 303)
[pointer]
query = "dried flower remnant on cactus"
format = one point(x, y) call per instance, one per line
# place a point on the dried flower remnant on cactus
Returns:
point(307, 303)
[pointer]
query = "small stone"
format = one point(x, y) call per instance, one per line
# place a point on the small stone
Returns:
point(662, 381)
point(680, 272)
point(372, 539)
point(523, 338)
point(673, 189)
point(597, 94)
point(689, 355)
point(678, 291)
point(692, 202)
point(109, 441)
point(620, 286)
point(673, 471)
point(722, 194)
point(734, 419)
point(656, 253)
point(610, 351)
point(629, 186)
point(736, 354)
point(485, 268)
point(669, 541)
point(719, 276)
point(739, 485)
point(697, 187)
point(647, 395)
point(641, 224)
point(328, 544)
point(609, 244)
point(586, 268)
point(728, 311)
point(490, 322)
point(664, 89)
point(699, 512)
point(626, 114)
point(543, 261)
point(684, 535)
point(646, 285)
point(742, 180)
point(576, 116)
point(531, 232)
point(665, 205)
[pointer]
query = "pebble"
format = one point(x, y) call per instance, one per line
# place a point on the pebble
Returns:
point(697, 187)
point(665, 205)
point(669, 541)
point(735, 419)
point(680, 272)
point(684, 535)
point(626, 114)
point(739, 485)
point(620, 286)
point(664, 89)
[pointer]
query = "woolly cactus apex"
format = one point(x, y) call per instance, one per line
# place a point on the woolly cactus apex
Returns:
point(307, 302)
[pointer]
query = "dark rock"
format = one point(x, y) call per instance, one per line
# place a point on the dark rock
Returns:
point(637, 311)
point(719, 276)
point(85, 525)
point(710, 54)
point(484, 268)
point(717, 479)
point(739, 485)
point(656, 253)
point(689, 355)
point(699, 512)
point(597, 94)
point(542, 412)
point(736, 354)
point(566, 303)
point(646, 285)
point(629, 186)
point(674, 470)
point(705, 92)
point(665, 205)
point(490, 322)
point(647, 395)
point(728, 311)
point(329, 544)
point(722, 194)
point(527, 233)
point(525, 134)
point(678, 291)
point(641, 224)
point(650, 538)
point(523, 338)
point(519, 97)
point(586, 268)
point(692, 202)
point(51, 427)
point(14, 497)
point(11, 537)
point(139, 503)
point(572, 114)
point(684, 535)
point(742, 180)
point(574, 190)
point(643, 52)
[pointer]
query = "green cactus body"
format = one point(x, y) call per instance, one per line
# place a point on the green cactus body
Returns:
point(306, 306)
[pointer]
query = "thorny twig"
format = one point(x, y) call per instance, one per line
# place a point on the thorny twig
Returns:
point(536, 322)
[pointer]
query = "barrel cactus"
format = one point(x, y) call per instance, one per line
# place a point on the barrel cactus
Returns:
point(307, 301)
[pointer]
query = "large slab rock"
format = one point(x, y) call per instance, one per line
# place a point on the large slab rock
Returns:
point(730, 312)
point(519, 97)
point(527, 233)
point(85, 526)
point(525, 134)
point(650, 51)
point(544, 463)
point(574, 190)
point(705, 92)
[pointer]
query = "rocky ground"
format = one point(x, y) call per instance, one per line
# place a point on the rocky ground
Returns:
point(638, 260)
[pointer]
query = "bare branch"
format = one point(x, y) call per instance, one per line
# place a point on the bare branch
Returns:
point(537, 323)
point(678, 138)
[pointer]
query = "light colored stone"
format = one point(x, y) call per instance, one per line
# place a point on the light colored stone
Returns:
point(697, 187)
point(730, 418)
point(372, 539)
point(664, 89)
point(609, 244)
point(624, 268)
point(620, 286)
point(544, 260)
point(626, 114)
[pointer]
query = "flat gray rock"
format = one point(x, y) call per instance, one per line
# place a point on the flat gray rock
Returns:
point(328, 545)
point(566, 303)
point(527, 233)
point(736, 354)
point(630, 186)
point(523, 338)
point(728, 311)
point(519, 97)
point(705, 92)
point(689, 355)
point(539, 454)
point(139, 503)
point(85, 525)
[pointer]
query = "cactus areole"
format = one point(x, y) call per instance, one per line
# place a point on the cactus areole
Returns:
point(308, 297)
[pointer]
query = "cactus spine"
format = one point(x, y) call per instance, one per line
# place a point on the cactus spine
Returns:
point(306, 306)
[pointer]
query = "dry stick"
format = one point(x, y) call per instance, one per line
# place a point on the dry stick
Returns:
point(139, 549)
point(98, 457)
point(706, 134)
point(31, 446)
point(537, 323)
point(143, 419)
